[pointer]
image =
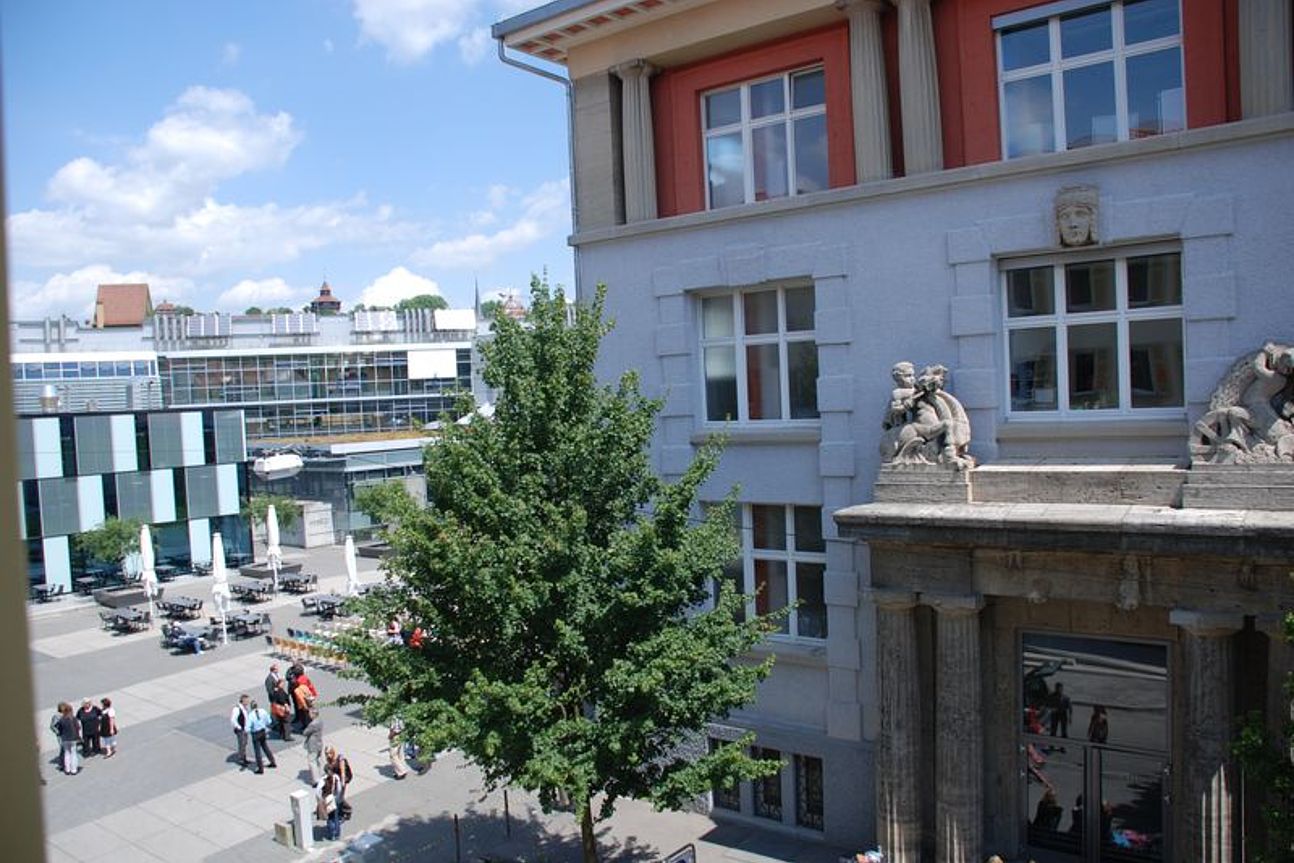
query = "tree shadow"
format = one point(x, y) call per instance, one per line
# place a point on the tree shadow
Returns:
point(487, 837)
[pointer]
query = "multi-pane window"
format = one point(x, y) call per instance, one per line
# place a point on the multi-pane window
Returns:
point(1096, 74)
point(766, 139)
point(1095, 334)
point(767, 789)
point(782, 564)
point(759, 356)
point(725, 797)
point(808, 791)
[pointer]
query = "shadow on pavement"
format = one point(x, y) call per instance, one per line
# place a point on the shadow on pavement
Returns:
point(483, 837)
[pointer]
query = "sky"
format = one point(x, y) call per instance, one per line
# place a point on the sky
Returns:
point(238, 153)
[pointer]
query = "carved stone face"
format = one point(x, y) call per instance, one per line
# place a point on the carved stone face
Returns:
point(904, 375)
point(1075, 223)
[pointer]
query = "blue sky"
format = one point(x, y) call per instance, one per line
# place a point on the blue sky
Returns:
point(238, 153)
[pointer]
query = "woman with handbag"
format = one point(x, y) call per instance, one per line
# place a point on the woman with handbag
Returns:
point(328, 811)
point(108, 727)
point(281, 711)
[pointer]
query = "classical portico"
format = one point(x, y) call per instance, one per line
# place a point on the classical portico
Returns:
point(1062, 642)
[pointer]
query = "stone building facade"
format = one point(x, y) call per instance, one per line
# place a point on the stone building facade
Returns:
point(785, 197)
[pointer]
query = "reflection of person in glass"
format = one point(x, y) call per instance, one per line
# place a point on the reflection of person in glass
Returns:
point(1047, 815)
point(1098, 727)
point(1061, 710)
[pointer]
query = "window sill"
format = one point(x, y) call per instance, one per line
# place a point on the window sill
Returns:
point(760, 434)
point(1056, 429)
point(793, 651)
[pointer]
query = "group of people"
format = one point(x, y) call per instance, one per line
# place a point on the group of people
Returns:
point(90, 730)
point(293, 709)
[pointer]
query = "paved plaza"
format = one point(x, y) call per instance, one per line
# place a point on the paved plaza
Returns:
point(175, 791)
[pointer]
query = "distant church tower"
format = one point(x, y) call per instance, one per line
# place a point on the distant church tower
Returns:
point(325, 303)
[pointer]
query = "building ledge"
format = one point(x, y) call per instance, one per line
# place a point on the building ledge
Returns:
point(1278, 125)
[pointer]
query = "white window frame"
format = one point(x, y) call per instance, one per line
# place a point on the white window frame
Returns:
point(1060, 320)
point(790, 556)
point(747, 126)
point(1118, 54)
point(739, 341)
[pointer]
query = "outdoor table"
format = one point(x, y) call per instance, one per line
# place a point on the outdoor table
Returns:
point(251, 592)
point(165, 572)
point(181, 606)
point(46, 592)
point(328, 604)
point(86, 583)
point(249, 622)
point(131, 619)
point(297, 582)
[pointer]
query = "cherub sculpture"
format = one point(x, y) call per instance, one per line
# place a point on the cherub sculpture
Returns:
point(1250, 419)
point(924, 424)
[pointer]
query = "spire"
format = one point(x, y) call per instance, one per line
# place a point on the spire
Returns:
point(476, 297)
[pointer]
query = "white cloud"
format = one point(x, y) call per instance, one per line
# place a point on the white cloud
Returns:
point(327, 46)
point(475, 46)
point(231, 53)
point(206, 136)
point(410, 29)
point(266, 293)
point(73, 292)
point(544, 212)
point(399, 284)
point(159, 200)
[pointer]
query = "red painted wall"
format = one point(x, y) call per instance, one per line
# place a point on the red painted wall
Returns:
point(968, 71)
point(676, 110)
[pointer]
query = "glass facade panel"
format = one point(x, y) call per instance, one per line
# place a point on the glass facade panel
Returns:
point(204, 494)
point(723, 108)
point(1155, 363)
point(230, 443)
point(135, 496)
point(1033, 370)
point(1023, 47)
point(808, 529)
point(769, 527)
point(165, 440)
point(1030, 128)
point(59, 510)
point(767, 97)
point(1156, 103)
point(1089, 286)
point(1030, 291)
point(771, 590)
point(768, 144)
point(811, 610)
point(809, 89)
point(1090, 116)
point(1086, 33)
point(1093, 367)
point(1144, 20)
point(93, 445)
point(1154, 280)
point(760, 309)
point(811, 173)
point(802, 379)
point(724, 170)
point(799, 310)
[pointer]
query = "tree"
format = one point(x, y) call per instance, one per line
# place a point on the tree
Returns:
point(1270, 768)
point(184, 310)
point(282, 310)
point(572, 649)
point(111, 542)
point(490, 308)
point(257, 507)
point(422, 301)
point(253, 310)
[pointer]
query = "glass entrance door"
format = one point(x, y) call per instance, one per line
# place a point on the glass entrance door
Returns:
point(1093, 747)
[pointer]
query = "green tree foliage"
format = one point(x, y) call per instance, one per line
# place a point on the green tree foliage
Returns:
point(184, 310)
point(1270, 768)
point(490, 308)
point(253, 310)
point(111, 541)
point(281, 310)
point(422, 301)
point(257, 506)
point(563, 587)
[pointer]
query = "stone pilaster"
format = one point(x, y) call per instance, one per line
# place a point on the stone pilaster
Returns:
point(959, 732)
point(867, 88)
point(1280, 665)
point(923, 142)
point(1266, 86)
point(1207, 805)
point(898, 749)
point(639, 149)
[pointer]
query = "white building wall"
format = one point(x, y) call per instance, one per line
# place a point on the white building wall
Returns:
point(125, 456)
point(910, 270)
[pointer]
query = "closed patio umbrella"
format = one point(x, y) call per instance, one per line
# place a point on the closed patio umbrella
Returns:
point(147, 574)
point(273, 553)
point(352, 571)
point(220, 589)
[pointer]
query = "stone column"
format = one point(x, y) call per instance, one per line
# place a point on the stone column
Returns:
point(959, 729)
point(898, 749)
point(867, 89)
point(1266, 86)
point(923, 142)
point(639, 151)
point(1280, 665)
point(1206, 807)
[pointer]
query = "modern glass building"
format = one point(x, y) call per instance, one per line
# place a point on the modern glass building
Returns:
point(183, 472)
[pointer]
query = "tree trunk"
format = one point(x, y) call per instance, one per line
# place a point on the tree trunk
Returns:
point(588, 842)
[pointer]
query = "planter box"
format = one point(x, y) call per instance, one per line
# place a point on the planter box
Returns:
point(119, 597)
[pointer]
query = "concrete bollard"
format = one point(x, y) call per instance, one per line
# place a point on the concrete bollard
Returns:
point(303, 819)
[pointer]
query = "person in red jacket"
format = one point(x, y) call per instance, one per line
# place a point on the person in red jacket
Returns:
point(303, 696)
